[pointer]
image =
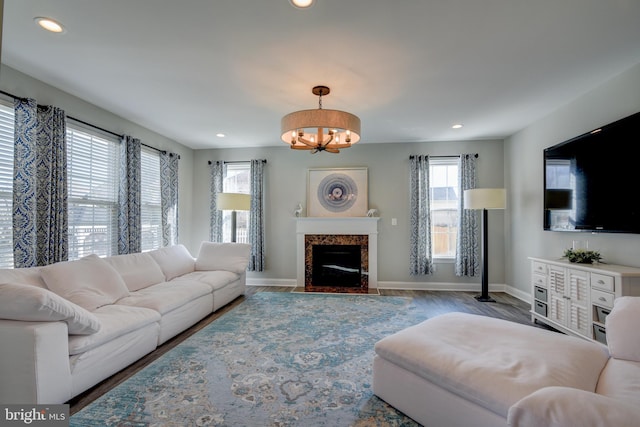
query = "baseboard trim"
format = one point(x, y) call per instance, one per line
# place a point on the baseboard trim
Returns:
point(412, 286)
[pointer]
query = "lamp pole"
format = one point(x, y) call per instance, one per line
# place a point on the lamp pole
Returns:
point(484, 296)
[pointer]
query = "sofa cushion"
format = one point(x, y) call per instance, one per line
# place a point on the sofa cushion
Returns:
point(215, 279)
point(137, 270)
point(623, 333)
point(31, 303)
point(492, 362)
point(174, 261)
point(89, 282)
point(116, 320)
point(26, 276)
point(563, 406)
point(620, 379)
point(223, 256)
point(166, 296)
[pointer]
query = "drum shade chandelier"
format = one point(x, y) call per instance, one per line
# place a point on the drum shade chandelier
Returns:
point(320, 130)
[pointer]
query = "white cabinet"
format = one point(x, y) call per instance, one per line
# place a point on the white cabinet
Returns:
point(575, 298)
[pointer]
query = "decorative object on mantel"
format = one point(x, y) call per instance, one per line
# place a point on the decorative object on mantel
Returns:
point(485, 198)
point(582, 256)
point(305, 129)
point(337, 192)
point(372, 213)
point(298, 211)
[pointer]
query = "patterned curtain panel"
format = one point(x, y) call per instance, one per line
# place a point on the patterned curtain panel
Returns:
point(215, 215)
point(169, 197)
point(129, 199)
point(40, 216)
point(420, 261)
point(256, 216)
point(467, 260)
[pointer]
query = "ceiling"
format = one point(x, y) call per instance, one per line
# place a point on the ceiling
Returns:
point(409, 69)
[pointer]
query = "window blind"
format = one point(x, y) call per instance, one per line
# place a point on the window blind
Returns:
point(6, 184)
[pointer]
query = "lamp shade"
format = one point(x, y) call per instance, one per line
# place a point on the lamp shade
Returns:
point(233, 202)
point(485, 198)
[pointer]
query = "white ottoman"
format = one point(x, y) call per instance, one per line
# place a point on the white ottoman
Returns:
point(460, 369)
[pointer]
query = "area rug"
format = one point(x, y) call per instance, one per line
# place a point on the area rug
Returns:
point(277, 359)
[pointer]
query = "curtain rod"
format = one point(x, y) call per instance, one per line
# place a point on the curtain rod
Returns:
point(236, 161)
point(443, 157)
point(92, 125)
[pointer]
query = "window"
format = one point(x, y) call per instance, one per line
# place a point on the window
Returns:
point(151, 208)
point(92, 176)
point(444, 193)
point(6, 184)
point(236, 180)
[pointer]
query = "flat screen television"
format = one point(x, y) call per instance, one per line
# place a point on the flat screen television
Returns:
point(592, 181)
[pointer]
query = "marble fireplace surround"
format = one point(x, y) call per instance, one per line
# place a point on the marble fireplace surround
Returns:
point(340, 230)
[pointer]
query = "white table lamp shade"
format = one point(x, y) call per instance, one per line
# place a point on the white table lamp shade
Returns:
point(233, 202)
point(485, 198)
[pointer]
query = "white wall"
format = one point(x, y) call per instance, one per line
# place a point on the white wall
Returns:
point(388, 167)
point(19, 84)
point(618, 98)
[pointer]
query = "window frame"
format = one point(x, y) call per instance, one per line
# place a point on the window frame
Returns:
point(231, 185)
point(449, 161)
point(150, 200)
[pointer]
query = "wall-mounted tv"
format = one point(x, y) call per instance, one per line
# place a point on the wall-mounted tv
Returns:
point(592, 181)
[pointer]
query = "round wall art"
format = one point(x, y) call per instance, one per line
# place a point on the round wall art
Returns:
point(337, 192)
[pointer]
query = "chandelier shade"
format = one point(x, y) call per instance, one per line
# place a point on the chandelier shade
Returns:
point(320, 130)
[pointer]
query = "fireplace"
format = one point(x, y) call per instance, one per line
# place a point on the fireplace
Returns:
point(345, 251)
point(336, 263)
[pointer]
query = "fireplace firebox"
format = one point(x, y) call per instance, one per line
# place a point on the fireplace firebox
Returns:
point(336, 263)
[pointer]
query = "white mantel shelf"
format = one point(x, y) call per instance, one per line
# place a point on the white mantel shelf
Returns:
point(339, 225)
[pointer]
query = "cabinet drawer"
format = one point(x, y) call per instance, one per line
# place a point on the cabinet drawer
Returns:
point(539, 267)
point(540, 308)
point(600, 281)
point(539, 280)
point(540, 294)
point(604, 299)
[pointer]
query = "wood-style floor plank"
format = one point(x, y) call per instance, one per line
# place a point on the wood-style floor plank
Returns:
point(434, 302)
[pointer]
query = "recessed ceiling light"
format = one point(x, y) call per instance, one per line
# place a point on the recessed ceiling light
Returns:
point(302, 4)
point(220, 135)
point(49, 24)
point(457, 126)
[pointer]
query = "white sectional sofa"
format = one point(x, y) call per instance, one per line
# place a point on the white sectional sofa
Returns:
point(463, 370)
point(67, 326)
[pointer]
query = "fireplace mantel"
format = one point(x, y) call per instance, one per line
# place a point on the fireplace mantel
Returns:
point(336, 226)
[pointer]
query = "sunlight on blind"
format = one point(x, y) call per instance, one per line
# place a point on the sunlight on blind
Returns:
point(93, 192)
point(151, 210)
point(6, 184)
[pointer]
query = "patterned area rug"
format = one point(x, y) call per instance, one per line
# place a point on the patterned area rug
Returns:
point(278, 359)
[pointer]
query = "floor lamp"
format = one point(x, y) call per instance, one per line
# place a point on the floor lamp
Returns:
point(233, 202)
point(485, 198)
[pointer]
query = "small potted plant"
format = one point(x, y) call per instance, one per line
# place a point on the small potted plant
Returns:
point(582, 256)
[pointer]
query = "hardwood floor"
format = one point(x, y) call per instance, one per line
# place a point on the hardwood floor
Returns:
point(434, 302)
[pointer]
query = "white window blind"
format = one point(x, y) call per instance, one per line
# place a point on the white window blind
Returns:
point(6, 184)
point(150, 210)
point(92, 159)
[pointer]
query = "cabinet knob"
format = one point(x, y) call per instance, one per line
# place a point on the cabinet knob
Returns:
point(602, 299)
point(601, 282)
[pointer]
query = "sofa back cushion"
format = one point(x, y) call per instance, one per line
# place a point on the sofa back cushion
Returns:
point(623, 331)
point(89, 282)
point(137, 270)
point(174, 260)
point(33, 304)
point(25, 276)
point(232, 257)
